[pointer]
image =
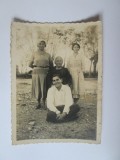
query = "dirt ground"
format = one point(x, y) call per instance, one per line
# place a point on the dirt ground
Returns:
point(31, 123)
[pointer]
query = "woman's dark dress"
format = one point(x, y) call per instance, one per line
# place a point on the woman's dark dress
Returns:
point(63, 72)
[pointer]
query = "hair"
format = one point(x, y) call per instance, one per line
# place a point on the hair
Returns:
point(42, 42)
point(58, 57)
point(75, 44)
point(56, 75)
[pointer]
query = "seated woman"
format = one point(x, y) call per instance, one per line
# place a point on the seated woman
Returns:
point(59, 69)
point(60, 102)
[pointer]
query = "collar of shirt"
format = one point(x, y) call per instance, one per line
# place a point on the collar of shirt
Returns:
point(61, 89)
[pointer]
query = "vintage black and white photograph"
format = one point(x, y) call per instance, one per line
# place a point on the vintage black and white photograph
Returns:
point(56, 82)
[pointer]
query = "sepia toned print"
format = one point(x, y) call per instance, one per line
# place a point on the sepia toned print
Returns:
point(56, 82)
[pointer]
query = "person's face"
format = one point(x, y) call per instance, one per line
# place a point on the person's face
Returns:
point(41, 46)
point(76, 48)
point(58, 62)
point(57, 82)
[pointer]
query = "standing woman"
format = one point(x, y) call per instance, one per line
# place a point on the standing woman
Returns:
point(75, 66)
point(41, 62)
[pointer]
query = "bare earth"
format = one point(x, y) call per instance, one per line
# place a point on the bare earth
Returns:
point(31, 123)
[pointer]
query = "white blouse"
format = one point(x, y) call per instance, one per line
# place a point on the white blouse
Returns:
point(57, 97)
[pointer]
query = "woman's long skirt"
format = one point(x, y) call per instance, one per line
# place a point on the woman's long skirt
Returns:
point(39, 83)
point(78, 87)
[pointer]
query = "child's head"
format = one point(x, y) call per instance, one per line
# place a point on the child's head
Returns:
point(58, 61)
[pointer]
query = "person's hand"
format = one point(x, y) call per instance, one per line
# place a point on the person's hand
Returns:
point(61, 116)
point(33, 65)
point(58, 116)
point(64, 114)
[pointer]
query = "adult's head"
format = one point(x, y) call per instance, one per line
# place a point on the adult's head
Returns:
point(75, 47)
point(58, 61)
point(41, 45)
point(57, 80)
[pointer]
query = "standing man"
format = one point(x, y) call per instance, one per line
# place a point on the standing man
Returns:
point(60, 102)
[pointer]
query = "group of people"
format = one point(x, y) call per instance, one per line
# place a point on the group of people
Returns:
point(56, 87)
